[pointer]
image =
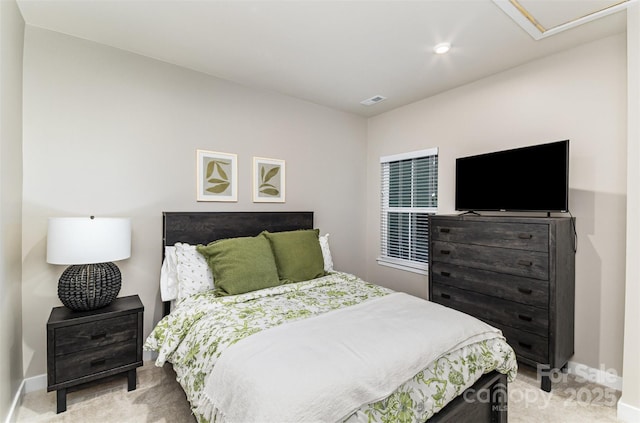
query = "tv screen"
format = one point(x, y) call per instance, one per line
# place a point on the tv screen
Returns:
point(534, 178)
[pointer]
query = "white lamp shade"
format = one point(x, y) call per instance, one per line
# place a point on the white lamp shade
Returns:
point(87, 240)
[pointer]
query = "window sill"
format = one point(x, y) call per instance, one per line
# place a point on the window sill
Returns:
point(420, 268)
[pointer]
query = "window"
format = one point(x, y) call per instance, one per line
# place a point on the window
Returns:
point(409, 194)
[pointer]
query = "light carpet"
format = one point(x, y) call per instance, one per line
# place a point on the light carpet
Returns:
point(159, 398)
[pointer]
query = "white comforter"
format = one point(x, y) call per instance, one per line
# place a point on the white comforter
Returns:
point(323, 368)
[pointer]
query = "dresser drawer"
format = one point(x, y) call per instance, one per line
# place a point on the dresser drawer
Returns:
point(89, 362)
point(526, 344)
point(94, 334)
point(487, 308)
point(531, 264)
point(534, 292)
point(523, 236)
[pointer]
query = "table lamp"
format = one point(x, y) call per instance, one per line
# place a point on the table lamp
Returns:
point(88, 245)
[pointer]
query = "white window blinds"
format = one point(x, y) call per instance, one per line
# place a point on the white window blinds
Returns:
point(409, 193)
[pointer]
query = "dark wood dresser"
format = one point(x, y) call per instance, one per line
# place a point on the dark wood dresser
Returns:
point(83, 346)
point(515, 273)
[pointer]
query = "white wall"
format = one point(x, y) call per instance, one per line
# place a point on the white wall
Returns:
point(579, 94)
point(112, 133)
point(629, 404)
point(11, 39)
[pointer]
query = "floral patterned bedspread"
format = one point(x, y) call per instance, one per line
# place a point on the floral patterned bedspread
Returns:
point(201, 327)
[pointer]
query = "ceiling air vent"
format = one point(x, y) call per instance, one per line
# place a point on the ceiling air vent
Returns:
point(373, 100)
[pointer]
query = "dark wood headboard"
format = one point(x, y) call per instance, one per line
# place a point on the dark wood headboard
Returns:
point(203, 227)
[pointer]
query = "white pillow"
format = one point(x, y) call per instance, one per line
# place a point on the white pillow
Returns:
point(168, 275)
point(192, 270)
point(326, 253)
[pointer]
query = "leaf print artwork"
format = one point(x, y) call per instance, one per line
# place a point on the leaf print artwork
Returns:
point(268, 180)
point(267, 186)
point(216, 176)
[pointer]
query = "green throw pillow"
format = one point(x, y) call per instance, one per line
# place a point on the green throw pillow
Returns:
point(241, 265)
point(298, 254)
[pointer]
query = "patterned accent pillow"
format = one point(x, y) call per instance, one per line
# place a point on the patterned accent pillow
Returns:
point(326, 253)
point(193, 272)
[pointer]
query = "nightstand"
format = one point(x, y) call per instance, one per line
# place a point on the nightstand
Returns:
point(83, 346)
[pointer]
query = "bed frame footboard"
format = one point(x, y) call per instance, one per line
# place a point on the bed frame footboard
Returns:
point(485, 401)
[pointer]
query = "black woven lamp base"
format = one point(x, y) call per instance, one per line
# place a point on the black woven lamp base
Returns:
point(89, 286)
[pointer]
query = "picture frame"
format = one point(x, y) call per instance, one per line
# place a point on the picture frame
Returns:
point(269, 178)
point(216, 176)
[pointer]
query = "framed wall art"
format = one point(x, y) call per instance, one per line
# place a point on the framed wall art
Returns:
point(268, 180)
point(217, 176)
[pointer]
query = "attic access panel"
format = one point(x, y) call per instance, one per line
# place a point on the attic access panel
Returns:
point(541, 19)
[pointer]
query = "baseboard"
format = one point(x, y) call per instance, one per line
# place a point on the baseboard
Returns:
point(599, 376)
point(628, 413)
point(149, 355)
point(17, 400)
point(30, 384)
point(35, 383)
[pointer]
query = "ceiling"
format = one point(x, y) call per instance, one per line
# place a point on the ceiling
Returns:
point(333, 53)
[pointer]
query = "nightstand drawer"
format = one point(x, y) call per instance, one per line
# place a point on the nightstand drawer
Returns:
point(88, 362)
point(487, 308)
point(531, 264)
point(499, 234)
point(523, 290)
point(95, 334)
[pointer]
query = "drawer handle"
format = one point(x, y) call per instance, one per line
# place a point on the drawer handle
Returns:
point(445, 230)
point(98, 362)
point(445, 296)
point(525, 291)
point(525, 318)
point(98, 336)
point(525, 236)
point(447, 274)
point(445, 252)
point(525, 263)
point(525, 345)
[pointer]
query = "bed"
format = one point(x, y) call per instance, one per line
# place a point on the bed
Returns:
point(326, 345)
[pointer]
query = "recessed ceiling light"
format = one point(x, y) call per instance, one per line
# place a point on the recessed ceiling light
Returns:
point(442, 48)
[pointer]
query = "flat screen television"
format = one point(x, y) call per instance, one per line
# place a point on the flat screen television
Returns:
point(532, 179)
